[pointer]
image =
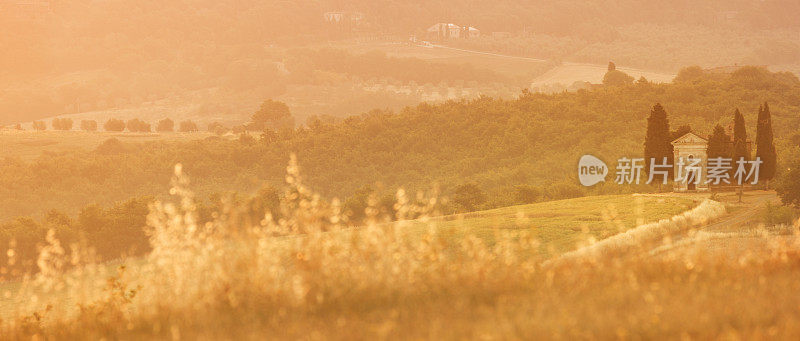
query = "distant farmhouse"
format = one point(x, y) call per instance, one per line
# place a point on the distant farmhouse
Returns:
point(445, 31)
point(344, 17)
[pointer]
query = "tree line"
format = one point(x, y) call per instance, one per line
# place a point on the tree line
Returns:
point(134, 125)
point(271, 115)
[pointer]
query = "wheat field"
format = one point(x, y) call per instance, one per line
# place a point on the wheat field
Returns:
point(307, 276)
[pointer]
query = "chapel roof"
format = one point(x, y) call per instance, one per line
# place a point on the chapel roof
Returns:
point(689, 138)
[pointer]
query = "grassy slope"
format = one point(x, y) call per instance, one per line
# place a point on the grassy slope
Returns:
point(697, 295)
point(28, 144)
point(559, 225)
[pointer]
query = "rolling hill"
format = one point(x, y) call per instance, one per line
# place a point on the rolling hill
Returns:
point(494, 144)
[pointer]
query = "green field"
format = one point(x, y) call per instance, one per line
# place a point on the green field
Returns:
point(560, 225)
point(29, 144)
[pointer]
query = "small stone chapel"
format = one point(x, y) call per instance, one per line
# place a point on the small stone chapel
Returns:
point(692, 174)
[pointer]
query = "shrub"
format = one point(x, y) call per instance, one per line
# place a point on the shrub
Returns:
point(114, 125)
point(188, 127)
point(527, 194)
point(89, 125)
point(788, 186)
point(271, 114)
point(139, 126)
point(39, 125)
point(269, 136)
point(617, 78)
point(62, 123)
point(111, 146)
point(468, 197)
point(266, 201)
point(110, 232)
point(246, 139)
point(165, 125)
point(777, 215)
point(563, 190)
point(217, 128)
point(688, 74)
point(356, 205)
point(366, 203)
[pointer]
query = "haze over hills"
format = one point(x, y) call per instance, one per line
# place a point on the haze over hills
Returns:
point(494, 144)
point(216, 61)
point(399, 169)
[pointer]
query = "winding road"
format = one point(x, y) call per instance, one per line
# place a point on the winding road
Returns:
point(731, 225)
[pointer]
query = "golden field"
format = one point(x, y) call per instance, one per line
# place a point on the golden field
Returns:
point(307, 276)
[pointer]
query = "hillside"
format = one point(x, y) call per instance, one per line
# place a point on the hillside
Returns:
point(559, 225)
point(396, 272)
point(207, 60)
point(399, 169)
point(29, 145)
point(495, 144)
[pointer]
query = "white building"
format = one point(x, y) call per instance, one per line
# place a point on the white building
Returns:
point(690, 163)
point(343, 17)
point(445, 31)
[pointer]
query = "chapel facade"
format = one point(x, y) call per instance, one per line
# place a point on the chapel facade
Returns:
point(690, 163)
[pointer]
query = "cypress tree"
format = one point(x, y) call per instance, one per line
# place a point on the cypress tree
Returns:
point(682, 130)
point(657, 143)
point(739, 137)
point(719, 143)
point(740, 149)
point(765, 147)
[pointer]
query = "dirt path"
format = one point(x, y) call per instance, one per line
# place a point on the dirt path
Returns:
point(484, 53)
point(744, 214)
point(733, 228)
point(731, 223)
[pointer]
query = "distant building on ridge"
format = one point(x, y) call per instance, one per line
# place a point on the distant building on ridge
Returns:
point(445, 31)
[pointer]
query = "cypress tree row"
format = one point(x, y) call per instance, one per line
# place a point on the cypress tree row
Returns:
point(765, 147)
point(657, 144)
